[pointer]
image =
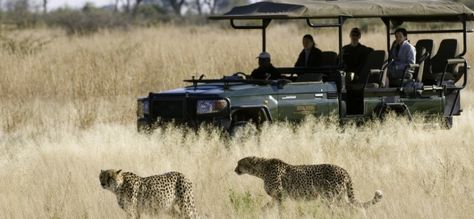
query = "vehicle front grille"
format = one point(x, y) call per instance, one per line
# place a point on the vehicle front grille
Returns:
point(173, 109)
point(168, 109)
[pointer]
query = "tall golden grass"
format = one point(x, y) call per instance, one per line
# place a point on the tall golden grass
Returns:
point(68, 111)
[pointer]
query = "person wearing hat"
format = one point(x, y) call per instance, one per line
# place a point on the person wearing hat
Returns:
point(265, 70)
point(310, 56)
point(354, 55)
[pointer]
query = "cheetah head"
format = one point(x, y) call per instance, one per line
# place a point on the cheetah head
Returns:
point(248, 165)
point(110, 179)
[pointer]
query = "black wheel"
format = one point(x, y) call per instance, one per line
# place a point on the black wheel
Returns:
point(143, 126)
point(242, 129)
point(448, 122)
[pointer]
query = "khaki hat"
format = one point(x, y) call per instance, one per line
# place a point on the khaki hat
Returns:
point(264, 55)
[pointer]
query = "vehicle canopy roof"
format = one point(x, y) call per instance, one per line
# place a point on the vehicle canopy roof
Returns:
point(423, 10)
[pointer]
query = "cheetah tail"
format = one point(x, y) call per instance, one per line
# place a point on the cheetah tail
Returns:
point(350, 193)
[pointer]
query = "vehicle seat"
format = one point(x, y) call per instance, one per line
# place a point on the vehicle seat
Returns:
point(424, 50)
point(448, 49)
point(375, 60)
point(329, 58)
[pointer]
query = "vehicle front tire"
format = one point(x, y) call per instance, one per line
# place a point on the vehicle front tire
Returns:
point(242, 129)
point(143, 126)
point(448, 122)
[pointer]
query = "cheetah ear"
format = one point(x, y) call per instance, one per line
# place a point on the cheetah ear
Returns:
point(118, 171)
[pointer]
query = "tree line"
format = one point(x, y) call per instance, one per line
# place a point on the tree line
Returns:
point(167, 7)
point(120, 14)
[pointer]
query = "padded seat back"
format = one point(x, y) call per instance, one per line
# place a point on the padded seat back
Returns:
point(424, 51)
point(375, 60)
point(329, 58)
point(426, 44)
point(448, 48)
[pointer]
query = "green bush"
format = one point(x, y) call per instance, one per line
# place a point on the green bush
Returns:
point(89, 20)
point(243, 203)
point(22, 45)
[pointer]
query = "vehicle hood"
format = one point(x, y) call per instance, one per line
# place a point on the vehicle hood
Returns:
point(214, 89)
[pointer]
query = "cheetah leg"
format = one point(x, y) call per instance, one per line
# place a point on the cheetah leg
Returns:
point(175, 213)
point(185, 200)
point(130, 209)
point(275, 190)
point(269, 205)
point(133, 214)
point(186, 206)
point(278, 200)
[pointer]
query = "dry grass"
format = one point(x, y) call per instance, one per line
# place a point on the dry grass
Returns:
point(68, 111)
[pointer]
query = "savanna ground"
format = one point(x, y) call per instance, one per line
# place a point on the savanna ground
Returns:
point(68, 111)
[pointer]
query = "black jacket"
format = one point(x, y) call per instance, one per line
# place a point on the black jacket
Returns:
point(314, 59)
point(261, 73)
point(355, 57)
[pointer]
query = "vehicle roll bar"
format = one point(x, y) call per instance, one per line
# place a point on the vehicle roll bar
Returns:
point(263, 27)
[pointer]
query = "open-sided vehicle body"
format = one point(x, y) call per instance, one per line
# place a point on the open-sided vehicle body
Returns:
point(234, 101)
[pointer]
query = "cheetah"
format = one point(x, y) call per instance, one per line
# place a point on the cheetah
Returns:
point(150, 195)
point(281, 180)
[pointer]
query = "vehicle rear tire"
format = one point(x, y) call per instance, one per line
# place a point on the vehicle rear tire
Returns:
point(242, 129)
point(143, 127)
point(448, 122)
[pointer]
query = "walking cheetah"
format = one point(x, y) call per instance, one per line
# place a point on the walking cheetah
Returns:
point(282, 180)
point(150, 195)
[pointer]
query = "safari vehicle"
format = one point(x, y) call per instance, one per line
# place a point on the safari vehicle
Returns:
point(235, 101)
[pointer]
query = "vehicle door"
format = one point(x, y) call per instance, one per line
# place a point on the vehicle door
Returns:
point(298, 100)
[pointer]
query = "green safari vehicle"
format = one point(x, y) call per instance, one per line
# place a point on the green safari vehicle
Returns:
point(235, 101)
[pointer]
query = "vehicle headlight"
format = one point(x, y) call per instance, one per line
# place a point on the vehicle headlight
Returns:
point(143, 107)
point(210, 106)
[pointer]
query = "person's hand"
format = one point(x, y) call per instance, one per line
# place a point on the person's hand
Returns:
point(267, 76)
point(350, 76)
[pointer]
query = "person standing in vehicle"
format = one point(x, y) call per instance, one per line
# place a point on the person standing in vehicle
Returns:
point(265, 70)
point(402, 54)
point(354, 55)
point(310, 56)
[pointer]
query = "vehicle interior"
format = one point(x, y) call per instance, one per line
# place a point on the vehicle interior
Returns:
point(437, 63)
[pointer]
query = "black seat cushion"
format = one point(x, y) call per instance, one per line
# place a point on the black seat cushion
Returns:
point(375, 60)
point(329, 58)
point(426, 44)
point(448, 49)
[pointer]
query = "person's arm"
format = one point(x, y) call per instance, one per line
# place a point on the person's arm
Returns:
point(411, 55)
point(363, 56)
point(275, 73)
point(318, 57)
point(300, 60)
point(254, 74)
point(391, 52)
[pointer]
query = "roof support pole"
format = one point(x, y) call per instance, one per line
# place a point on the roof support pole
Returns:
point(341, 22)
point(386, 21)
point(263, 27)
point(265, 23)
point(464, 37)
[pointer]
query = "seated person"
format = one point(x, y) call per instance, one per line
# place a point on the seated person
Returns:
point(265, 68)
point(402, 54)
point(354, 55)
point(310, 56)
